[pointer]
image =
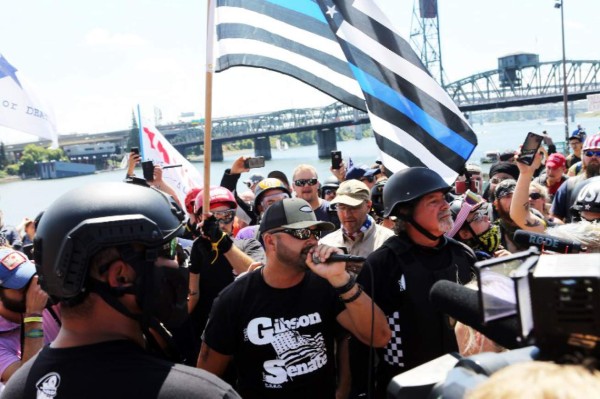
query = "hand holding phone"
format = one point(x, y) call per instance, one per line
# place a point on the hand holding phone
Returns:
point(530, 147)
point(336, 159)
point(254, 162)
point(148, 169)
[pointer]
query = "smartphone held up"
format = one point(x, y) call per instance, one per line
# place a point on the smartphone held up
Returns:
point(530, 147)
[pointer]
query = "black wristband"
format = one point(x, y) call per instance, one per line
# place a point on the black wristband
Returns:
point(225, 243)
point(346, 287)
point(353, 297)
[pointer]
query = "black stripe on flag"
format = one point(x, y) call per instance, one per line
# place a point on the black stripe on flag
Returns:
point(281, 66)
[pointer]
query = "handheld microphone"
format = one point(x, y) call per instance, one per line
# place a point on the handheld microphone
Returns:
point(462, 304)
point(338, 258)
point(547, 242)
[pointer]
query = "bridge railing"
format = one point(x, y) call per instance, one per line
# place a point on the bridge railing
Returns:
point(533, 82)
point(283, 120)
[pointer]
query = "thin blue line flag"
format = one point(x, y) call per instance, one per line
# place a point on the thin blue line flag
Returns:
point(414, 121)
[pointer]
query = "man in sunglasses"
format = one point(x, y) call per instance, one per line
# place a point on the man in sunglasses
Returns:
point(306, 186)
point(278, 323)
point(105, 253)
point(563, 199)
point(216, 259)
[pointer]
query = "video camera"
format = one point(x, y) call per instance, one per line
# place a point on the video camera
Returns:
point(540, 307)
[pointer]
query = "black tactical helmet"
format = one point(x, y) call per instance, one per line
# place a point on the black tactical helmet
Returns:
point(90, 218)
point(410, 184)
point(587, 195)
point(330, 182)
point(377, 197)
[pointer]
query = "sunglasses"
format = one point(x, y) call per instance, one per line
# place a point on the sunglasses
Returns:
point(329, 192)
point(479, 214)
point(225, 216)
point(304, 182)
point(269, 200)
point(535, 196)
point(369, 179)
point(301, 234)
point(590, 153)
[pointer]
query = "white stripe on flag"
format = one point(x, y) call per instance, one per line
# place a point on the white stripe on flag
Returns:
point(397, 64)
point(236, 15)
point(249, 46)
point(408, 142)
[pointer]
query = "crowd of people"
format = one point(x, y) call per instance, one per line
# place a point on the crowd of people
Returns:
point(167, 299)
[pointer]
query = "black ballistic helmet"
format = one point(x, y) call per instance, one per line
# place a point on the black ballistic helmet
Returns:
point(90, 218)
point(377, 197)
point(408, 185)
point(587, 195)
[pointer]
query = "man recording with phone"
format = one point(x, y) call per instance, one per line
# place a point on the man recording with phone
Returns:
point(26, 325)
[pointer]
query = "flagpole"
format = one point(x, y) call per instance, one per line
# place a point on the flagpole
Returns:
point(208, 106)
point(140, 133)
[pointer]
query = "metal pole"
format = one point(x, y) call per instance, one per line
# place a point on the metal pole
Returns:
point(564, 64)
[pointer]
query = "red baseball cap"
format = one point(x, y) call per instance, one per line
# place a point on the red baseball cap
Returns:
point(556, 160)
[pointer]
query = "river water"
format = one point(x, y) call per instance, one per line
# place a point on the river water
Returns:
point(19, 199)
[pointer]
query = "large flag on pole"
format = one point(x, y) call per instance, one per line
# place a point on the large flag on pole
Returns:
point(156, 148)
point(287, 36)
point(414, 120)
point(20, 107)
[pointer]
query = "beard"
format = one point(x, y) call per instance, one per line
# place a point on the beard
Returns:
point(445, 221)
point(592, 168)
point(11, 304)
point(297, 262)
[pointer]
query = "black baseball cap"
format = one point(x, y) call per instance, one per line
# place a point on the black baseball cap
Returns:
point(291, 213)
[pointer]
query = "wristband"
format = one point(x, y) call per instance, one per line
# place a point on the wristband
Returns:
point(33, 319)
point(32, 315)
point(346, 287)
point(353, 297)
point(35, 333)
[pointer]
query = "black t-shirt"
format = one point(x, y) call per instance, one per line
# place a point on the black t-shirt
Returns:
point(110, 370)
point(403, 274)
point(280, 339)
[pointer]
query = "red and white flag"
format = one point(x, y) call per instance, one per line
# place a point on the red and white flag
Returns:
point(156, 148)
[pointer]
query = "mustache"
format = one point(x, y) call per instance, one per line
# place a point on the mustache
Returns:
point(443, 214)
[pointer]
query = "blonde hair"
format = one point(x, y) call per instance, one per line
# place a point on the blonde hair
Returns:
point(539, 380)
point(541, 189)
point(587, 233)
point(302, 167)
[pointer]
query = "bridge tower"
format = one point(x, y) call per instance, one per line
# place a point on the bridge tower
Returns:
point(425, 37)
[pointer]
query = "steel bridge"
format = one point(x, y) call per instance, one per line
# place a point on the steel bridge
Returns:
point(536, 84)
point(268, 124)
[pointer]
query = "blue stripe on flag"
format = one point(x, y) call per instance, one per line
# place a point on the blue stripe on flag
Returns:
point(436, 129)
point(306, 7)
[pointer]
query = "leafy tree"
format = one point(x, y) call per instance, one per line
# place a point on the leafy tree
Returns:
point(3, 159)
point(33, 153)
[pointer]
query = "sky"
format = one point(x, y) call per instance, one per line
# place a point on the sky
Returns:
point(94, 61)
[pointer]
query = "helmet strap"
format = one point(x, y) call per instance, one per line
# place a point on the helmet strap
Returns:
point(418, 227)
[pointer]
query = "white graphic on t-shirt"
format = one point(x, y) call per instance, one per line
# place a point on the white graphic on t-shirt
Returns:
point(47, 386)
point(297, 354)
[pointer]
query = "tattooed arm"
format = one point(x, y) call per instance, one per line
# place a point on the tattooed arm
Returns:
point(519, 207)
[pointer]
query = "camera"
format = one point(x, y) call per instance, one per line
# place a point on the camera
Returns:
point(549, 311)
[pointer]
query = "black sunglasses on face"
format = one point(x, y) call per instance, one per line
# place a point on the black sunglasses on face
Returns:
point(367, 178)
point(304, 182)
point(301, 234)
point(590, 153)
point(535, 196)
